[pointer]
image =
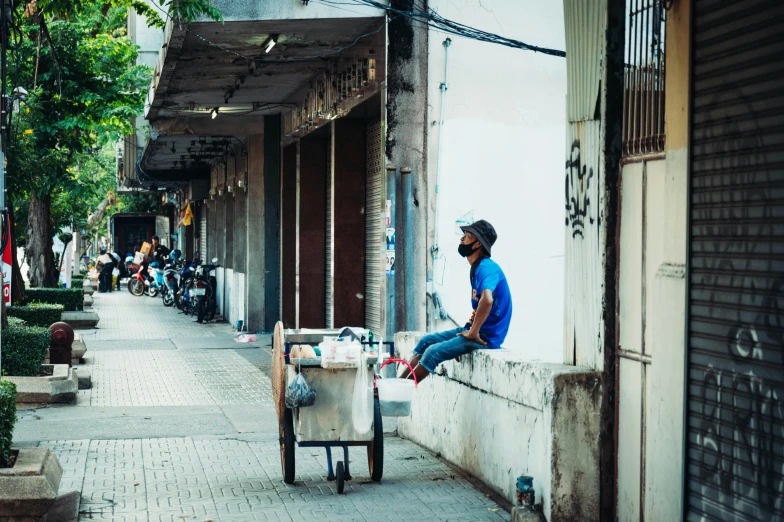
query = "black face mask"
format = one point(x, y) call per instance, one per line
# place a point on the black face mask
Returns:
point(466, 250)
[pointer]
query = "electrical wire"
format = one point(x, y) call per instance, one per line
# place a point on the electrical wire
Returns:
point(429, 17)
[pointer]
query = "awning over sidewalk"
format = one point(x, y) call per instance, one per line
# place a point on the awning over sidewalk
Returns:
point(216, 80)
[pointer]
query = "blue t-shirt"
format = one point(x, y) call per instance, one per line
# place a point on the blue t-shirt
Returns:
point(489, 276)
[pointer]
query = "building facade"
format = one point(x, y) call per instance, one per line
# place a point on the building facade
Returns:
point(329, 156)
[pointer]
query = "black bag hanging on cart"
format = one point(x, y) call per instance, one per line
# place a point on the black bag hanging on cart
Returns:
point(299, 393)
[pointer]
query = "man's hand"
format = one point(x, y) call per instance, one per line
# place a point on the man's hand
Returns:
point(472, 336)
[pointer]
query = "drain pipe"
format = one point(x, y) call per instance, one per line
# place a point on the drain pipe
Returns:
point(407, 222)
point(390, 278)
point(444, 86)
point(439, 311)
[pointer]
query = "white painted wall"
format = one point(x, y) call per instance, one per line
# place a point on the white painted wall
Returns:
point(502, 160)
point(498, 416)
point(148, 40)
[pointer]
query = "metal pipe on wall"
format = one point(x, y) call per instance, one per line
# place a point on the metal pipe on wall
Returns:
point(392, 174)
point(407, 222)
point(444, 86)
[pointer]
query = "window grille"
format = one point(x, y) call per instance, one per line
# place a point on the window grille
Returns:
point(643, 113)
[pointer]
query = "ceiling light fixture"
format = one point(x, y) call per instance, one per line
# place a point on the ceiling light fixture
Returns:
point(270, 42)
point(214, 112)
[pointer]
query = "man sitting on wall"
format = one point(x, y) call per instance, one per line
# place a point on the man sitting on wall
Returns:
point(490, 299)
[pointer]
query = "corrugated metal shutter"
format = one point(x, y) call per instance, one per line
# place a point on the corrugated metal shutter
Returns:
point(203, 233)
point(374, 269)
point(735, 402)
point(330, 219)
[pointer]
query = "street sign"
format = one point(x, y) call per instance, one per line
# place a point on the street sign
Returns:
point(7, 264)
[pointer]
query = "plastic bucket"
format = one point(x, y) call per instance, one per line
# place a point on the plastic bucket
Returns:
point(394, 397)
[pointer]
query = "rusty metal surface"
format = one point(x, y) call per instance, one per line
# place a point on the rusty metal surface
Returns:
point(349, 222)
point(288, 239)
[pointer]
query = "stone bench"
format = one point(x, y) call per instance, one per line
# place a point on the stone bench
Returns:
point(80, 319)
point(61, 386)
point(88, 301)
point(499, 416)
point(89, 289)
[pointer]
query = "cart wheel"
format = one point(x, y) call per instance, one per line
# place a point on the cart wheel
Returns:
point(376, 448)
point(287, 444)
point(340, 475)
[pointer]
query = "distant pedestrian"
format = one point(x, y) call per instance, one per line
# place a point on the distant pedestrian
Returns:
point(104, 266)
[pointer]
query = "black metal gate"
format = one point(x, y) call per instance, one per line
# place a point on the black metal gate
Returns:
point(735, 402)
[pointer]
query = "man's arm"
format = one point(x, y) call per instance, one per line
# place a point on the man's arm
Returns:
point(481, 315)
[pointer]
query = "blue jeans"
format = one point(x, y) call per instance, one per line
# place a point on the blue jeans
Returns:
point(433, 349)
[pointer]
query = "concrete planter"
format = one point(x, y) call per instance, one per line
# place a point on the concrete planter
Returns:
point(60, 387)
point(80, 319)
point(29, 489)
point(88, 301)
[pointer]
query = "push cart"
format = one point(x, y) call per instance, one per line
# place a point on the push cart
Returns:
point(327, 423)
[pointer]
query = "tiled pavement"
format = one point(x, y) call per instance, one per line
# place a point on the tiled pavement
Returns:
point(145, 356)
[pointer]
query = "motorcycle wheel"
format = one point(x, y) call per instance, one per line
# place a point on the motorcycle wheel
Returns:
point(168, 299)
point(201, 310)
point(153, 291)
point(136, 287)
point(212, 309)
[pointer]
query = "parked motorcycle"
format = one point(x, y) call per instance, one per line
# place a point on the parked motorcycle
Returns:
point(170, 277)
point(203, 288)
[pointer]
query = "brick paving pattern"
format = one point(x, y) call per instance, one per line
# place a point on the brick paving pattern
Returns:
point(235, 477)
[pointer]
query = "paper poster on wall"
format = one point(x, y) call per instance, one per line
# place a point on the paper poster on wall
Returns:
point(390, 236)
point(390, 262)
point(388, 212)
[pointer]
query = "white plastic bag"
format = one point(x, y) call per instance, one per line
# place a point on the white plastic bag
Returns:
point(116, 272)
point(362, 406)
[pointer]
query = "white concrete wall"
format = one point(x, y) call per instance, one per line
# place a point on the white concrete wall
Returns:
point(502, 160)
point(498, 417)
point(148, 40)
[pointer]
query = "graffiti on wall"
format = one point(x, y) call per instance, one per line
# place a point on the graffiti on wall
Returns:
point(736, 360)
point(578, 197)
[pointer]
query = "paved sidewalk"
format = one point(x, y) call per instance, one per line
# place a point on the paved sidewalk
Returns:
point(180, 426)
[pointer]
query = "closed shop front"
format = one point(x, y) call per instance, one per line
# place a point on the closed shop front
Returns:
point(735, 388)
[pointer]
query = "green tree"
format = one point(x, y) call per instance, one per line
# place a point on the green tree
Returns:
point(84, 91)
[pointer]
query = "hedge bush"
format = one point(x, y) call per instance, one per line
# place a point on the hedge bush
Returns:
point(38, 314)
point(24, 350)
point(72, 299)
point(7, 419)
point(77, 279)
point(15, 321)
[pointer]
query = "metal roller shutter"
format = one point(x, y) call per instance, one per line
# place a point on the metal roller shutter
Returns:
point(735, 394)
point(330, 219)
point(203, 233)
point(374, 270)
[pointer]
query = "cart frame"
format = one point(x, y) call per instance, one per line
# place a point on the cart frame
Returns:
point(288, 436)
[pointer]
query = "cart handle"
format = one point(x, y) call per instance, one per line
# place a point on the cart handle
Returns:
point(404, 362)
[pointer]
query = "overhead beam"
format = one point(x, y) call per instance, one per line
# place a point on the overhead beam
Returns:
point(223, 125)
point(173, 40)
